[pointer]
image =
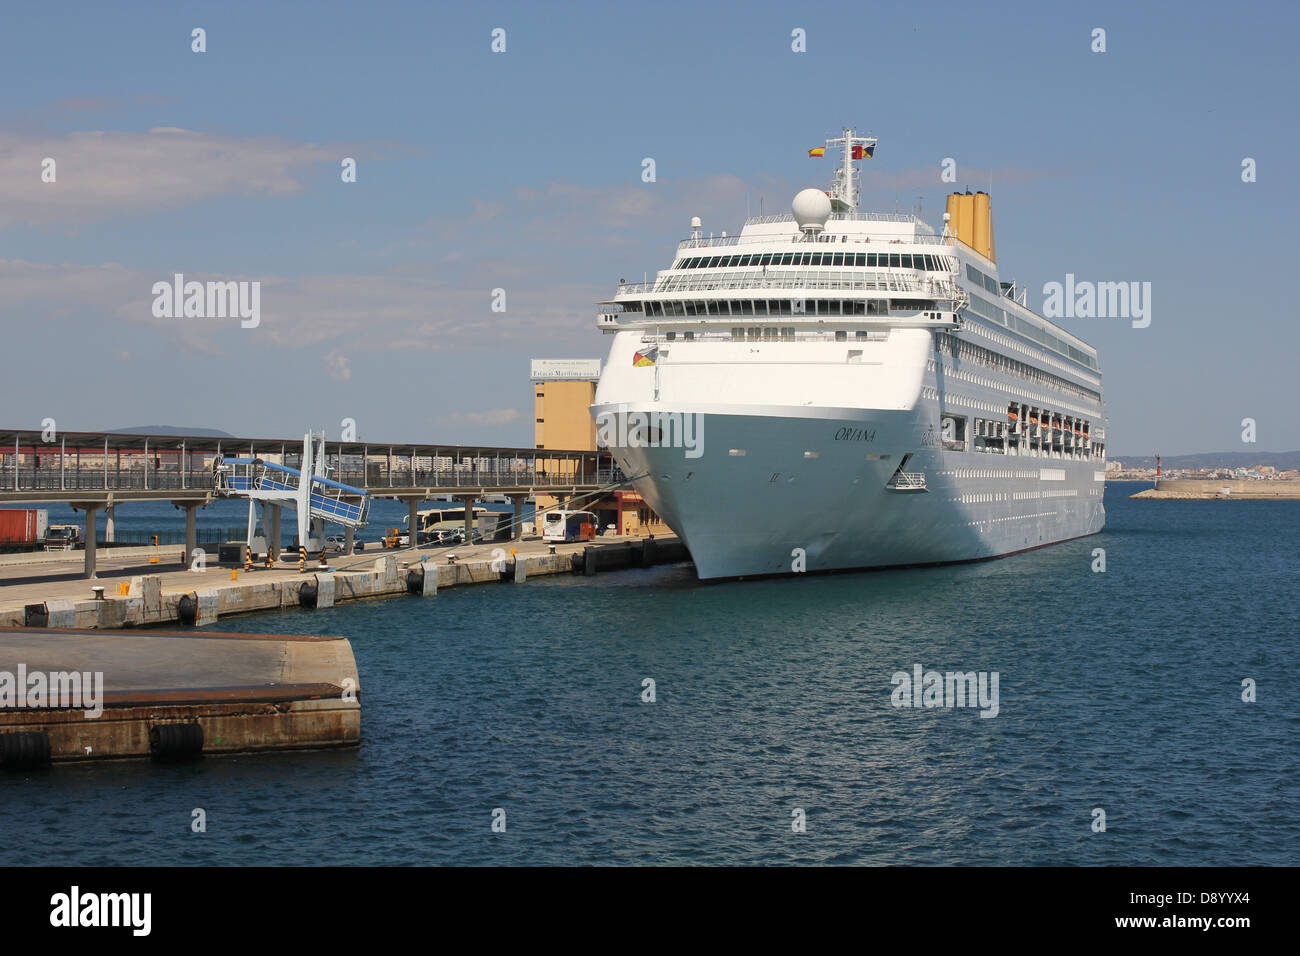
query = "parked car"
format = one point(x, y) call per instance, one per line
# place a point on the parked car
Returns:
point(335, 543)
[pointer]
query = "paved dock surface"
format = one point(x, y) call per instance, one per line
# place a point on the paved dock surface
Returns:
point(143, 594)
point(246, 691)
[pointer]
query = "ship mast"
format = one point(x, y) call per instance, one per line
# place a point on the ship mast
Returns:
point(844, 185)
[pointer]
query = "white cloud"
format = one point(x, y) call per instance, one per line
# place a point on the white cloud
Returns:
point(102, 174)
point(337, 367)
point(360, 312)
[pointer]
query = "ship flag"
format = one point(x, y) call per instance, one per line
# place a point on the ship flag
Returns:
point(642, 359)
point(819, 151)
point(864, 152)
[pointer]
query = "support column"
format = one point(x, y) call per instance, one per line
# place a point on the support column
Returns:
point(517, 529)
point(348, 540)
point(191, 532)
point(273, 537)
point(468, 502)
point(413, 521)
point(110, 523)
point(90, 543)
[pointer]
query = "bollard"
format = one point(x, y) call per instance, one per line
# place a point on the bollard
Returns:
point(187, 609)
point(324, 560)
point(302, 559)
point(269, 564)
point(248, 558)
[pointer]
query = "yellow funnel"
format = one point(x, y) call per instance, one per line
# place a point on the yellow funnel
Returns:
point(971, 219)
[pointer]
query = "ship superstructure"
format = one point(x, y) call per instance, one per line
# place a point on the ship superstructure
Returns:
point(839, 389)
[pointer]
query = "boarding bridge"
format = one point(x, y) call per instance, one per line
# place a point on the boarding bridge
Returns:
point(315, 498)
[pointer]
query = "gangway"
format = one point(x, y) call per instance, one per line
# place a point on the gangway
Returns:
point(316, 500)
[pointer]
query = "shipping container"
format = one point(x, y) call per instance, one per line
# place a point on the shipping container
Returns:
point(23, 529)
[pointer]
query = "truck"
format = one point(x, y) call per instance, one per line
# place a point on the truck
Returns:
point(62, 537)
point(23, 529)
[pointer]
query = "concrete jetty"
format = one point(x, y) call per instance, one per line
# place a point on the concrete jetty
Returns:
point(171, 694)
point(1203, 489)
point(135, 595)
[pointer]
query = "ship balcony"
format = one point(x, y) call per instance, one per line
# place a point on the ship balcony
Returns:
point(892, 281)
point(828, 237)
point(907, 481)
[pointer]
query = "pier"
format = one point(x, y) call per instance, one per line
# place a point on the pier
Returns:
point(175, 695)
point(135, 593)
point(101, 470)
point(1220, 489)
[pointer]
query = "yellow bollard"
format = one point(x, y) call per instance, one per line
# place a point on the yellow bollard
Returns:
point(234, 574)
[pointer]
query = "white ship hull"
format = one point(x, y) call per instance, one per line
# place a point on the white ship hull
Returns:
point(775, 511)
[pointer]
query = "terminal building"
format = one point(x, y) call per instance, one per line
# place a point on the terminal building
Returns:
point(563, 391)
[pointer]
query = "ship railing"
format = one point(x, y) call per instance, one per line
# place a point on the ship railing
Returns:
point(824, 238)
point(907, 481)
point(723, 335)
point(855, 216)
point(852, 282)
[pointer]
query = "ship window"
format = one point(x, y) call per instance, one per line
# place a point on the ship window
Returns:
point(752, 333)
point(767, 260)
point(894, 262)
point(839, 259)
point(991, 284)
point(769, 333)
point(841, 336)
point(737, 333)
point(774, 307)
point(907, 262)
point(787, 258)
point(807, 259)
point(671, 336)
point(714, 261)
point(860, 259)
point(690, 308)
point(737, 307)
point(713, 307)
point(760, 307)
point(690, 336)
point(973, 274)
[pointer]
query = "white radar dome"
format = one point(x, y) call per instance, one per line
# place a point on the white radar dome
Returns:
point(811, 208)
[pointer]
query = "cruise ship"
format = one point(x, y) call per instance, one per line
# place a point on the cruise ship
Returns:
point(836, 389)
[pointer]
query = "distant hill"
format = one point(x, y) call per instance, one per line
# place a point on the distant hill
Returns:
point(172, 430)
point(1281, 460)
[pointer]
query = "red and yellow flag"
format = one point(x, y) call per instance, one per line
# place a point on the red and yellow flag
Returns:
point(819, 151)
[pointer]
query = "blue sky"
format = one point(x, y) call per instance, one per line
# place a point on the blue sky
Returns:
point(521, 171)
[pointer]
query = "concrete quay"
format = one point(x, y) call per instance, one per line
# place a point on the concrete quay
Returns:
point(1199, 489)
point(171, 695)
point(135, 597)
